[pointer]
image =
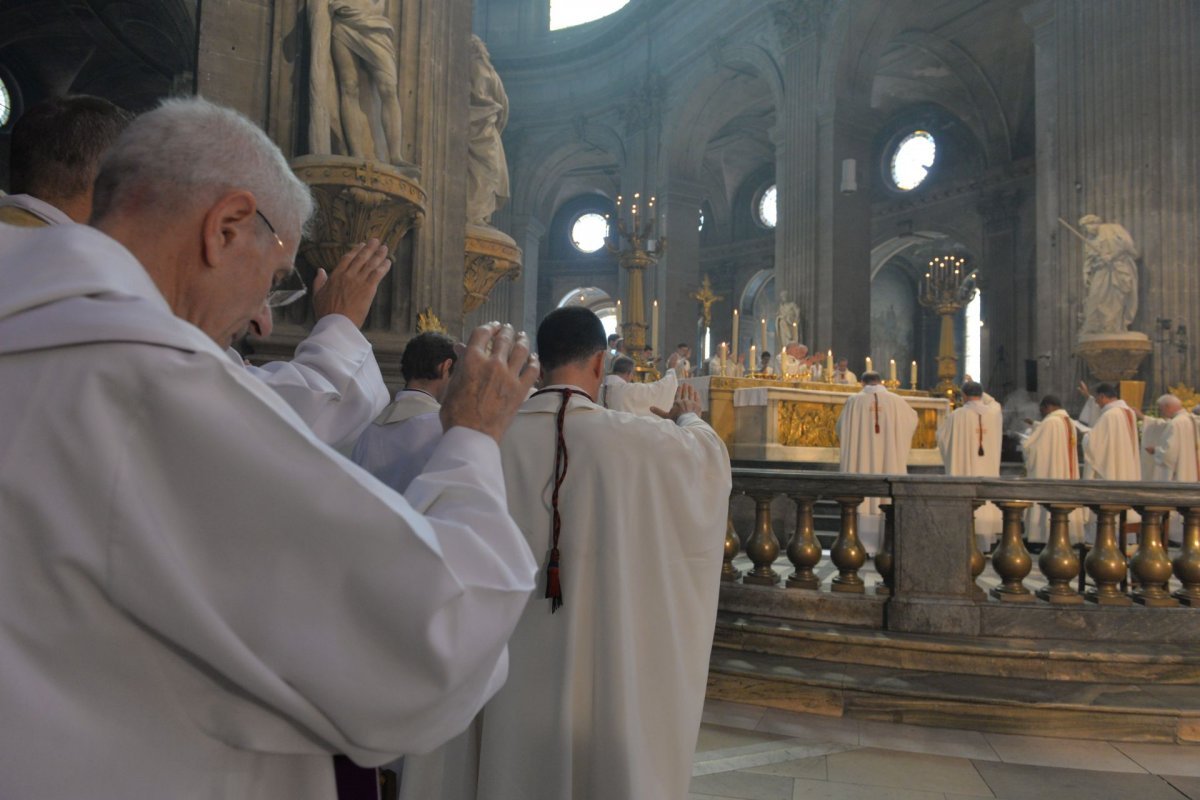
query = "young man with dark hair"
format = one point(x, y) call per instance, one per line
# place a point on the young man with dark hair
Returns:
point(397, 445)
point(55, 154)
point(625, 514)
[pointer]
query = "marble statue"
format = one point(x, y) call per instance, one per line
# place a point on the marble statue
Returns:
point(1110, 276)
point(787, 321)
point(349, 37)
point(487, 170)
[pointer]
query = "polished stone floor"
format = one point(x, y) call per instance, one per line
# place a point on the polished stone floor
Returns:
point(752, 753)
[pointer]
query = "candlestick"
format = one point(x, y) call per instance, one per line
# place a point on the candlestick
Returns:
point(869, 367)
point(618, 313)
point(763, 336)
point(914, 375)
point(829, 366)
point(795, 331)
point(752, 367)
point(654, 328)
point(891, 369)
point(735, 334)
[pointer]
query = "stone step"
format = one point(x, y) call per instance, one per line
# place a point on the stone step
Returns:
point(1107, 711)
point(1043, 659)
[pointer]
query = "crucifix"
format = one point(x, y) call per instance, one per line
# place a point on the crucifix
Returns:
point(706, 297)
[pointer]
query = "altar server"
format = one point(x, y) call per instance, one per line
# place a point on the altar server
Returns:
point(842, 373)
point(1051, 453)
point(875, 432)
point(610, 660)
point(620, 393)
point(397, 445)
point(969, 439)
point(199, 598)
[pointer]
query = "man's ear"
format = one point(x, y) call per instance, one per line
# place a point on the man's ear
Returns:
point(596, 365)
point(228, 226)
point(445, 367)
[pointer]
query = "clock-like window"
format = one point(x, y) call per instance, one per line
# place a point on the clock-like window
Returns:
point(589, 232)
point(912, 159)
point(765, 210)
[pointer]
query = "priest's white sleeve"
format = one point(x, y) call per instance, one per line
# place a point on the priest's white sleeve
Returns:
point(639, 398)
point(333, 381)
point(312, 610)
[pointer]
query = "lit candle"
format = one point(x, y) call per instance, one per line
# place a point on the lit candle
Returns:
point(869, 367)
point(763, 337)
point(829, 366)
point(724, 357)
point(795, 331)
point(654, 327)
point(914, 375)
point(752, 367)
point(618, 313)
point(735, 334)
point(891, 369)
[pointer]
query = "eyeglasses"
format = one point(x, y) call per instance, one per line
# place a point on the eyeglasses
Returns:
point(290, 288)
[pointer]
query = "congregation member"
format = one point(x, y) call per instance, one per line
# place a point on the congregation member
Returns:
point(875, 432)
point(55, 151)
point(199, 597)
point(1051, 452)
point(621, 393)
point(398, 444)
point(679, 362)
point(842, 373)
point(970, 439)
point(609, 662)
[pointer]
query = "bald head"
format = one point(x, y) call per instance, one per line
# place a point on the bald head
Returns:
point(870, 378)
point(1169, 405)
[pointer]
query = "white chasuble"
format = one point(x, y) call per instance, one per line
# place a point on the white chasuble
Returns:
point(970, 439)
point(1051, 453)
point(398, 444)
point(875, 432)
point(1112, 452)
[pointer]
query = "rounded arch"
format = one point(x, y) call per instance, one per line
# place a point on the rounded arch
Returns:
point(595, 299)
point(854, 37)
point(543, 178)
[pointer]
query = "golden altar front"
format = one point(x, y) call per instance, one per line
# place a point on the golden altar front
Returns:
point(796, 420)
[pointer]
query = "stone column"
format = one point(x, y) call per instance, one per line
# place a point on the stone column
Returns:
point(1007, 293)
point(679, 269)
point(236, 50)
point(528, 231)
point(1117, 85)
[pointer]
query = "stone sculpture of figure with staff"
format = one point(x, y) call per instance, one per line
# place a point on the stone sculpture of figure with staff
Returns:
point(1110, 275)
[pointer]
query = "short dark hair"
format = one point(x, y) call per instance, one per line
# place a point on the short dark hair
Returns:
point(622, 366)
point(868, 378)
point(613, 338)
point(972, 389)
point(1051, 400)
point(568, 335)
point(1106, 390)
point(423, 354)
point(682, 344)
point(764, 354)
point(57, 145)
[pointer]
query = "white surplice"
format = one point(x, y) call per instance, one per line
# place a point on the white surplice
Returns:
point(969, 440)
point(398, 444)
point(1112, 452)
point(1176, 452)
point(604, 696)
point(865, 451)
point(1051, 453)
point(638, 398)
point(198, 598)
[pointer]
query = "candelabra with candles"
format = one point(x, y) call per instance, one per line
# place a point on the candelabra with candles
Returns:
point(946, 289)
point(637, 249)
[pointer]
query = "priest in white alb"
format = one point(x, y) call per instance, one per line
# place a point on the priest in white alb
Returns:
point(609, 663)
point(1172, 442)
point(1052, 453)
point(875, 432)
point(1112, 449)
point(621, 393)
point(969, 440)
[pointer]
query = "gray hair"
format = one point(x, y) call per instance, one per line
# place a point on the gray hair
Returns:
point(189, 150)
point(1168, 401)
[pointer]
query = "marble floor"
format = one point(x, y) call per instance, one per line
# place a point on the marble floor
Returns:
point(752, 753)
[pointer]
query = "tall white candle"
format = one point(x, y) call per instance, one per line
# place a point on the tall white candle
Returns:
point(795, 331)
point(618, 313)
point(654, 327)
point(914, 375)
point(869, 367)
point(763, 337)
point(891, 369)
point(753, 365)
point(735, 334)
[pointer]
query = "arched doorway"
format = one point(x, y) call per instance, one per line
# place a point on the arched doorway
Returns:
point(598, 301)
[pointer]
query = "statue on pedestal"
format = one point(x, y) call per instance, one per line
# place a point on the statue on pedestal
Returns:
point(349, 38)
point(487, 169)
point(787, 322)
point(1110, 277)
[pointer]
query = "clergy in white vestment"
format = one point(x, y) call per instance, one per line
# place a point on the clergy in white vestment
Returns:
point(1111, 450)
point(875, 432)
point(616, 349)
point(679, 362)
point(842, 373)
point(609, 663)
point(1176, 457)
point(398, 444)
point(200, 598)
point(620, 393)
point(969, 439)
point(1051, 452)
point(793, 361)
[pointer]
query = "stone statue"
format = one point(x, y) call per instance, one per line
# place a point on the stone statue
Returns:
point(349, 36)
point(1110, 277)
point(787, 321)
point(487, 171)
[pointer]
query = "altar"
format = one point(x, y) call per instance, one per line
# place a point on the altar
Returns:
point(780, 420)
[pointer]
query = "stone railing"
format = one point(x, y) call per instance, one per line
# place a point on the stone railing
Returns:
point(929, 564)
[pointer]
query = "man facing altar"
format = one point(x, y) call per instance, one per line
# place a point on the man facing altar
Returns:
point(969, 439)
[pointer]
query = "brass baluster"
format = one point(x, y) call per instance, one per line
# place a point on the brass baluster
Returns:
point(978, 560)
point(763, 547)
point(1187, 563)
point(1106, 563)
point(1150, 565)
point(848, 554)
point(885, 559)
point(733, 546)
point(804, 551)
point(1059, 561)
point(1011, 560)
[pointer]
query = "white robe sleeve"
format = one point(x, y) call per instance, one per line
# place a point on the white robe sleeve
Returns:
point(333, 382)
point(332, 614)
point(639, 398)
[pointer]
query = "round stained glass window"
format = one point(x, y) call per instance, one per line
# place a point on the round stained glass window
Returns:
point(5, 104)
point(912, 159)
point(589, 232)
point(766, 210)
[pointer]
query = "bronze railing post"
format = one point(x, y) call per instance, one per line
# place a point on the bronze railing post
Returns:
point(848, 554)
point(1187, 563)
point(733, 546)
point(1106, 563)
point(1058, 561)
point(803, 550)
point(763, 547)
point(1150, 565)
point(1011, 560)
point(885, 559)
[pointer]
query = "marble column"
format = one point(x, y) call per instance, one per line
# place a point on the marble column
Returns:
point(1117, 84)
point(1007, 292)
point(678, 273)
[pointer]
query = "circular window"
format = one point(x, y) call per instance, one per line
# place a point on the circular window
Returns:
point(912, 159)
point(5, 103)
point(766, 208)
point(589, 232)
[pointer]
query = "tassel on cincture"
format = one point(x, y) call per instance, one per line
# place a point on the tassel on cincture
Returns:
point(981, 450)
point(553, 586)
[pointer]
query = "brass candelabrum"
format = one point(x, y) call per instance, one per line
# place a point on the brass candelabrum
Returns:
point(637, 249)
point(946, 289)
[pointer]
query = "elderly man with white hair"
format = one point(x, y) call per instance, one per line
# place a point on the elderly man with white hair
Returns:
point(1177, 454)
point(198, 597)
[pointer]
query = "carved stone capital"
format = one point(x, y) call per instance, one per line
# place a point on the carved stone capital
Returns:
point(490, 256)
